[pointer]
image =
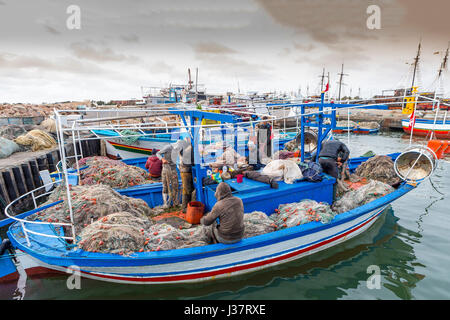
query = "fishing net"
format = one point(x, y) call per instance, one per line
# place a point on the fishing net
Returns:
point(113, 173)
point(292, 146)
point(297, 213)
point(346, 124)
point(37, 139)
point(119, 232)
point(13, 131)
point(162, 236)
point(361, 196)
point(380, 168)
point(369, 125)
point(7, 147)
point(88, 204)
point(129, 136)
point(257, 223)
point(49, 125)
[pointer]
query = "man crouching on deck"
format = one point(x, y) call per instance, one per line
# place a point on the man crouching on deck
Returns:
point(229, 210)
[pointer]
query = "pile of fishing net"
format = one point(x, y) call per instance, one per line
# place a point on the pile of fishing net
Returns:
point(129, 136)
point(37, 139)
point(292, 146)
point(368, 125)
point(12, 131)
point(380, 168)
point(88, 204)
point(286, 170)
point(113, 173)
point(346, 124)
point(120, 232)
point(257, 223)
point(49, 125)
point(361, 196)
point(297, 213)
point(7, 147)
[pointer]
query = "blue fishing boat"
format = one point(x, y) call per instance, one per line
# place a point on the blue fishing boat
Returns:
point(47, 247)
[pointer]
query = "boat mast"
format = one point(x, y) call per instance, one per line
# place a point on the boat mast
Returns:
point(341, 76)
point(323, 77)
point(416, 64)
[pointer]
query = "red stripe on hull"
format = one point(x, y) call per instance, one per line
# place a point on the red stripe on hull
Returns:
point(425, 132)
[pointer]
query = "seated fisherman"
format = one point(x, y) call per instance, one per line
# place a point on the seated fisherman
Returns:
point(154, 165)
point(230, 211)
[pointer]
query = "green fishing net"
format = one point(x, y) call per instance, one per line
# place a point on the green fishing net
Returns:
point(298, 213)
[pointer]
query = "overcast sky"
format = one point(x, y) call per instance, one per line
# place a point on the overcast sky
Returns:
point(263, 45)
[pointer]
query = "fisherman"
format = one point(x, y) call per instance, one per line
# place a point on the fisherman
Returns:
point(332, 157)
point(154, 165)
point(184, 151)
point(264, 139)
point(169, 176)
point(229, 211)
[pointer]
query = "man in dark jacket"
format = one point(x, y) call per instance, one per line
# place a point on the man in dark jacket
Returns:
point(332, 155)
point(230, 211)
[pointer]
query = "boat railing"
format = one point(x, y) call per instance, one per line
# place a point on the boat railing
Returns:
point(20, 218)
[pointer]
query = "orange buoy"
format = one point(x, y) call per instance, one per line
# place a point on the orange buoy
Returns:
point(194, 212)
point(439, 147)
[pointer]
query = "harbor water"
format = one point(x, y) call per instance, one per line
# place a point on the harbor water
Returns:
point(403, 256)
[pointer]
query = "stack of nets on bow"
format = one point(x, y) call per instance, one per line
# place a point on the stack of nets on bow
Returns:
point(380, 168)
point(88, 204)
point(113, 173)
point(297, 213)
point(361, 196)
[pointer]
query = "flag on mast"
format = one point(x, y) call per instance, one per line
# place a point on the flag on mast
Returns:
point(412, 119)
point(327, 87)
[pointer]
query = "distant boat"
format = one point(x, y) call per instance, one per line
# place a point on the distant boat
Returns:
point(367, 128)
point(424, 127)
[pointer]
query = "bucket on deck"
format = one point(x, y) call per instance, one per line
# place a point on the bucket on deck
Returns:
point(415, 163)
point(194, 212)
point(239, 178)
point(310, 141)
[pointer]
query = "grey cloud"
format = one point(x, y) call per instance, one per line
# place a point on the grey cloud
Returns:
point(211, 47)
point(88, 51)
point(130, 38)
point(49, 26)
point(10, 61)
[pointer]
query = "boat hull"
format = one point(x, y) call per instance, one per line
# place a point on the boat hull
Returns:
point(267, 251)
point(424, 127)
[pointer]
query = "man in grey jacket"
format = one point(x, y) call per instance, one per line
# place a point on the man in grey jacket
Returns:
point(230, 212)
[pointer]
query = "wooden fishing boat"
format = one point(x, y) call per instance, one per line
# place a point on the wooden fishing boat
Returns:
point(424, 127)
point(43, 247)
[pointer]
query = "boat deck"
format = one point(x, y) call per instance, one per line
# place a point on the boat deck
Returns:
point(259, 196)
